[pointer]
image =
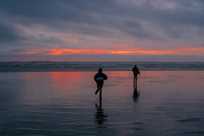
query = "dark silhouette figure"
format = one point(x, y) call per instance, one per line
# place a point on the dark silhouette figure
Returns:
point(136, 72)
point(99, 79)
point(100, 116)
point(136, 95)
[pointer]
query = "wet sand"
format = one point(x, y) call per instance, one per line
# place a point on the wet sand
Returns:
point(63, 103)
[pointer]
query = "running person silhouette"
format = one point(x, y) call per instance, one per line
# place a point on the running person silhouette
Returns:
point(99, 79)
point(136, 72)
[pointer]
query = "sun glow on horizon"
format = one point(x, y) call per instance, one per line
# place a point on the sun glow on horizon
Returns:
point(132, 52)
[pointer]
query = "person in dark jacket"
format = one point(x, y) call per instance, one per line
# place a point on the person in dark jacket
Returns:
point(136, 72)
point(99, 79)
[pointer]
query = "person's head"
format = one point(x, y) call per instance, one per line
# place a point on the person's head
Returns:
point(100, 70)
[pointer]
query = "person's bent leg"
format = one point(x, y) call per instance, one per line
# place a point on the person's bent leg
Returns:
point(134, 83)
point(100, 97)
point(98, 88)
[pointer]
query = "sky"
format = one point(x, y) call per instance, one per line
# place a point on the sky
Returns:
point(101, 30)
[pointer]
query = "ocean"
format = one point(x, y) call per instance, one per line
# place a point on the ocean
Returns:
point(91, 66)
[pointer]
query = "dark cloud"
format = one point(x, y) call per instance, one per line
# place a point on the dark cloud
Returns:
point(7, 33)
point(94, 15)
point(105, 13)
point(160, 20)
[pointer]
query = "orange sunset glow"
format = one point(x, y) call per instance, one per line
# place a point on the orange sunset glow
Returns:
point(137, 51)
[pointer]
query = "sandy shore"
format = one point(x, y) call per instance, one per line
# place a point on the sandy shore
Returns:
point(62, 103)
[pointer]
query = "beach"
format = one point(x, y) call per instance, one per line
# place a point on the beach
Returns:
point(64, 104)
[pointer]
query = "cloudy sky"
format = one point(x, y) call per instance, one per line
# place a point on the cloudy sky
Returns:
point(102, 30)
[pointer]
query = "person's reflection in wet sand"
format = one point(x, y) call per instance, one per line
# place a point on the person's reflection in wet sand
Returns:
point(136, 95)
point(100, 116)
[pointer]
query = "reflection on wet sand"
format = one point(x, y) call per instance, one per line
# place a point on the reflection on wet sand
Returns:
point(136, 95)
point(100, 115)
point(136, 92)
point(61, 103)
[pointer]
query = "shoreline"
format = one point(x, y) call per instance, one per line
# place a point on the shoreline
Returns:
point(93, 66)
point(94, 70)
